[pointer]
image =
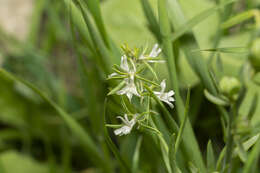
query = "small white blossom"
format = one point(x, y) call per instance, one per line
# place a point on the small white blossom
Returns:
point(166, 97)
point(127, 127)
point(155, 51)
point(130, 89)
point(123, 65)
point(153, 54)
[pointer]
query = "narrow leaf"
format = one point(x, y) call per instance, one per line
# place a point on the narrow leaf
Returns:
point(210, 157)
point(180, 133)
point(253, 157)
point(238, 19)
point(214, 99)
point(77, 130)
point(137, 154)
point(234, 50)
point(196, 20)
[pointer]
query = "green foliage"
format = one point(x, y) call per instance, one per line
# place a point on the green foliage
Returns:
point(60, 105)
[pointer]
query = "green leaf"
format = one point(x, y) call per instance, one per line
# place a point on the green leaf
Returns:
point(210, 157)
point(214, 99)
point(252, 158)
point(237, 50)
point(103, 53)
point(183, 123)
point(137, 154)
point(13, 162)
point(193, 168)
point(167, 48)
point(248, 144)
point(238, 19)
point(85, 139)
point(240, 150)
point(253, 106)
point(153, 23)
point(94, 8)
point(165, 153)
point(172, 155)
point(196, 20)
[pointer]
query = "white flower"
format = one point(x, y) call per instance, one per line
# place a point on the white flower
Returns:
point(166, 97)
point(155, 51)
point(123, 65)
point(128, 125)
point(129, 89)
point(153, 54)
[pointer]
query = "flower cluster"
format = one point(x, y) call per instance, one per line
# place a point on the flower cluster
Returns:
point(131, 73)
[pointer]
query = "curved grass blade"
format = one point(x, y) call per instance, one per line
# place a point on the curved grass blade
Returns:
point(88, 144)
point(189, 137)
point(196, 20)
point(180, 133)
point(210, 158)
point(239, 18)
point(94, 8)
point(150, 16)
point(104, 53)
point(137, 154)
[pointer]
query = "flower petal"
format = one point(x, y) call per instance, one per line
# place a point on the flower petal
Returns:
point(124, 64)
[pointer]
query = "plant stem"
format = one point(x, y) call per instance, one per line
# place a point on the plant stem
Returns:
point(190, 143)
point(230, 141)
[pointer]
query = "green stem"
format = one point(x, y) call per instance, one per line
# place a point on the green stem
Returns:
point(230, 140)
point(190, 143)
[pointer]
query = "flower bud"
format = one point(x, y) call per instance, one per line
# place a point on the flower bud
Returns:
point(255, 54)
point(230, 87)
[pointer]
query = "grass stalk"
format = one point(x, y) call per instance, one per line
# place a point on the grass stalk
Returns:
point(190, 143)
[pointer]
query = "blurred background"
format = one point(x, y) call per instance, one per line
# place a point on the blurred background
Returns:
point(36, 45)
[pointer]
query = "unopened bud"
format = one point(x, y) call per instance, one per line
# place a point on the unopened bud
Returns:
point(230, 87)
